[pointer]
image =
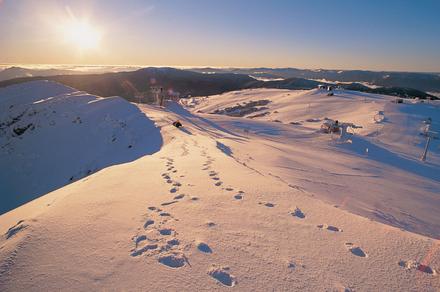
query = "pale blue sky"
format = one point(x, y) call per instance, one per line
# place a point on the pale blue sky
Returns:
point(376, 35)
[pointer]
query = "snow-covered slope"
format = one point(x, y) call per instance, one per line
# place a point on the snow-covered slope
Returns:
point(376, 173)
point(230, 203)
point(52, 135)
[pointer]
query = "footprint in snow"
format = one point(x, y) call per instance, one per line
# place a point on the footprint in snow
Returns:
point(219, 183)
point(203, 247)
point(329, 227)
point(19, 226)
point(173, 242)
point(173, 190)
point(238, 196)
point(148, 223)
point(298, 213)
point(222, 275)
point(267, 204)
point(229, 189)
point(210, 224)
point(174, 260)
point(165, 231)
point(139, 239)
point(293, 265)
point(413, 265)
point(357, 251)
point(138, 252)
point(178, 197)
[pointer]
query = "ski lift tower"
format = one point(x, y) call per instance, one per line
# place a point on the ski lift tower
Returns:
point(158, 93)
point(429, 135)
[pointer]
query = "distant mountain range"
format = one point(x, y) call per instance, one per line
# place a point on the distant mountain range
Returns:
point(301, 83)
point(18, 72)
point(132, 84)
point(420, 81)
point(7, 73)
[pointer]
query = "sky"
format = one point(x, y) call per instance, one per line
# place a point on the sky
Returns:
point(395, 35)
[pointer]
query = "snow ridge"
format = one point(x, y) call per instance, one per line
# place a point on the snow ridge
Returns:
point(52, 135)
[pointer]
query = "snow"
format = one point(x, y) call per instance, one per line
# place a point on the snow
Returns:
point(243, 203)
point(367, 84)
point(434, 93)
point(265, 79)
point(67, 136)
point(382, 157)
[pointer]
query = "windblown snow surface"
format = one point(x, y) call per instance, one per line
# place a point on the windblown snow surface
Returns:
point(249, 196)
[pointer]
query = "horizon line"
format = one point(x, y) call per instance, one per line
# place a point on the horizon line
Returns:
point(50, 66)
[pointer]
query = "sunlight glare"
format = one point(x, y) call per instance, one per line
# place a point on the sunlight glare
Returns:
point(82, 34)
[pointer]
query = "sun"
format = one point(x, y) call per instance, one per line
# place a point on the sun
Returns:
point(83, 35)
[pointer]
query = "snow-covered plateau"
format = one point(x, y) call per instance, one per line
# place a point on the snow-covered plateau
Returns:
point(251, 194)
